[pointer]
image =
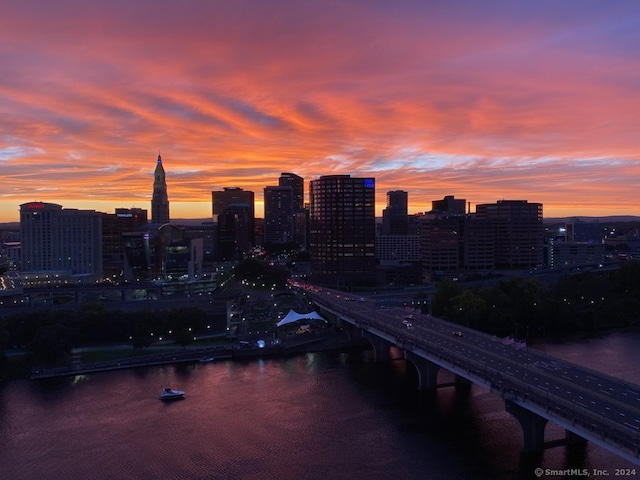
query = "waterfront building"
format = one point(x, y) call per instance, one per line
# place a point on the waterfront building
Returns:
point(160, 198)
point(55, 239)
point(342, 230)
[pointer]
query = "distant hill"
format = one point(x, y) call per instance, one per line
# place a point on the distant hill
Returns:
point(579, 218)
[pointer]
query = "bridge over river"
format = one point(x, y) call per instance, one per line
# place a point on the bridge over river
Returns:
point(536, 387)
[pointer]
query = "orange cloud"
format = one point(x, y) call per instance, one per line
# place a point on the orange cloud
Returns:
point(534, 101)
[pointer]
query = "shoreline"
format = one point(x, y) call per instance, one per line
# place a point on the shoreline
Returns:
point(232, 352)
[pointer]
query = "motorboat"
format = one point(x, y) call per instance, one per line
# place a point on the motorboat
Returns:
point(171, 394)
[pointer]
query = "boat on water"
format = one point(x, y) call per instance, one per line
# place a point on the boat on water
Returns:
point(171, 394)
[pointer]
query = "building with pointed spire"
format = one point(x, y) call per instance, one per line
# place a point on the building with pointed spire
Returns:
point(160, 199)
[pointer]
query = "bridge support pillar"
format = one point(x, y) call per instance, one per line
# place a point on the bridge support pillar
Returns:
point(572, 438)
point(380, 347)
point(348, 328)
point(462, 384)
point(532, 426)
point(427, 371)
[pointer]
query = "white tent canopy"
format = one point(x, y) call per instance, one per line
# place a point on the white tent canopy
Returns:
point(294, 316)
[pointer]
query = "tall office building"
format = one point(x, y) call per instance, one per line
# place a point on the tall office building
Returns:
point(297, 185)
point(278, 215)
point(449, 205)
point(300, 211)
point(54, 239)
point(518, 232)
point(441, 245)
point(160, 199)
point(114, 225)
point(234, 214)
point(395, 219)
point(453, 241)
point(397, 251)
point(342, 230)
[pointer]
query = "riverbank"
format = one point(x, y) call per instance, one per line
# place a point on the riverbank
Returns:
point(196, 354)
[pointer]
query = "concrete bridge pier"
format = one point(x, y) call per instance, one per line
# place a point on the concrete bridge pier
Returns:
point(380, 347)
point(427, 371)
point(462, 385)
point(351, 331)
point(532, 426)
point(572, 438)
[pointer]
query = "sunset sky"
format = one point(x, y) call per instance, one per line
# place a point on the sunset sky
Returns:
point(484, 100)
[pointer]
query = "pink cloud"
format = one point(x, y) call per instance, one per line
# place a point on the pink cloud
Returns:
point(526, 101)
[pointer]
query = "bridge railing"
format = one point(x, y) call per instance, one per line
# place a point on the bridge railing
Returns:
point(584, 420)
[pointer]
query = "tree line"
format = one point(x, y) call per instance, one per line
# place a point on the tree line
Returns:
point(50, 335)
point(584, 303)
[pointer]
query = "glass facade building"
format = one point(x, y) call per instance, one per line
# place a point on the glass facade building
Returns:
point(342, 230)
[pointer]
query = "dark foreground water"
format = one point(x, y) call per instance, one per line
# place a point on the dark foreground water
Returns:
point(316, 416)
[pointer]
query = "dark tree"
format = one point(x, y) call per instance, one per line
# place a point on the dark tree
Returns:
point(184, 337)
point(50, 343)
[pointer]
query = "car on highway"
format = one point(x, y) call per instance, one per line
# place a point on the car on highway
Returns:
point(458, 334)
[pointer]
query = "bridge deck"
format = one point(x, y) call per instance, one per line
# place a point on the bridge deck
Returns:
point(596, 406)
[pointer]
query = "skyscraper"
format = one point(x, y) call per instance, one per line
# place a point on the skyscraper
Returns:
point(278, 214)
point(160, 199)
point(297, 185)
point(114, 225)
point(300, 211)
point(234, 214)
point(395, 220)
point(342, 233)
point(518, 232)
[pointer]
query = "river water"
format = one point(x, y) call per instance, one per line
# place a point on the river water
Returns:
point(314, 416)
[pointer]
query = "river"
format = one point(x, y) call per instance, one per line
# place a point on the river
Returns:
point(314, 416)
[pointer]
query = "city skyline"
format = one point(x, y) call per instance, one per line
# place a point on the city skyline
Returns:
point(481, 100)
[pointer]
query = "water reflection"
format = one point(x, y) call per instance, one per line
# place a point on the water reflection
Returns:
point(319, 415)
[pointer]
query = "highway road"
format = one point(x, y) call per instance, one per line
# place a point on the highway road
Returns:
point(589, 400)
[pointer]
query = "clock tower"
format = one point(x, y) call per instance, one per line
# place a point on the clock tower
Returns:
point(160, 199)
